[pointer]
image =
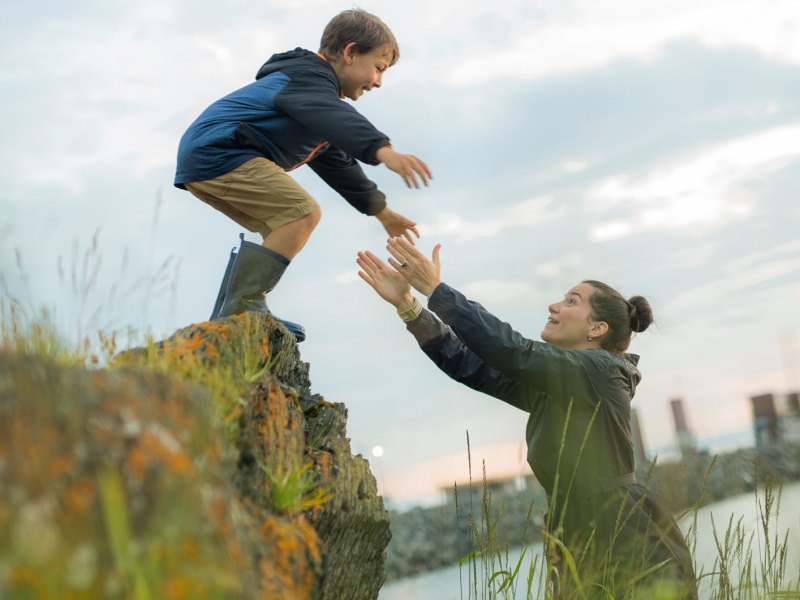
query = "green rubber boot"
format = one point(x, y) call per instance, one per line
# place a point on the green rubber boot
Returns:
point(251, 274)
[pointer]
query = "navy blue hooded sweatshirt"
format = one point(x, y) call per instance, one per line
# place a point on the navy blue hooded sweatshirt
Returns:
point(291, 114)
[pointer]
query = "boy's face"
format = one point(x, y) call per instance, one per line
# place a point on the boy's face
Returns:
point(361, 72)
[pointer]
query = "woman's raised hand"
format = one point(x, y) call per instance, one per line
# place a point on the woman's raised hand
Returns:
point(388, 283)
point(421, 272)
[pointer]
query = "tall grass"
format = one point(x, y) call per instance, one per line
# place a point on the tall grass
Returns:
point(193, 533)
point(83, 317)
point(750, 563)
point(492, 573)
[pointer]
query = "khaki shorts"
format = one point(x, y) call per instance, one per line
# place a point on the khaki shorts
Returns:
point(258, 195)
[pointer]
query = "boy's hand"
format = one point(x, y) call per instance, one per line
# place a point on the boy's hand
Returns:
point(405, 165)
point(396, 224)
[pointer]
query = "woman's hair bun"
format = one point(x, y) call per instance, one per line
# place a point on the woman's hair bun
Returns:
point(640, 312)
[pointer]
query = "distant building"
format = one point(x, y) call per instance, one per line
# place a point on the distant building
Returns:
point(793, 403)
point(790, 420)
point(765, 421)
point(684, 436)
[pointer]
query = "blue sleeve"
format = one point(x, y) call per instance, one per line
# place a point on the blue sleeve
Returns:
point(455, 359)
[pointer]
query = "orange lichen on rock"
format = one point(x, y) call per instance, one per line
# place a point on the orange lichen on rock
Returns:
point(159, 475)
point(61, 525)
point(205, 344)
point(80, 496)
point(290, 567)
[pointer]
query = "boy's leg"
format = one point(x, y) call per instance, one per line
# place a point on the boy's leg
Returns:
point(289, 239)
point(261, 197)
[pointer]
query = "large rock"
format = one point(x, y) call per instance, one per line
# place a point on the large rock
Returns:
point(199, 466)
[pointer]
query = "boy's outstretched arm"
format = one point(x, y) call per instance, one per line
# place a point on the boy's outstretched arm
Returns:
point(397, 225)
point(405, 165)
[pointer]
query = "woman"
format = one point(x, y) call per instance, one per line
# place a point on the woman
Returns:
point(577, 386)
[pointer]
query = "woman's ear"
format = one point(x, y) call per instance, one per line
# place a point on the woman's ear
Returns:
point(598, 328)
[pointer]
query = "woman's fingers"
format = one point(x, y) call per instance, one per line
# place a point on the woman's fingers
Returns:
point(395, 251)
point(366, 278)
point(409, 248)
point(398, 247)
point(373, 261)
point(404, 251)
point(365, 263)
point(396, 265)
point(435, 255)
point(371, 264)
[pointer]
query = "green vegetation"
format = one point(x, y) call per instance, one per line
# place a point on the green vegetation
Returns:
point(295, 490)
point(750, 564)
point(118, 464)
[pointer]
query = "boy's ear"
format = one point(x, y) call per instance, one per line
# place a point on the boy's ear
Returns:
point(349, 52)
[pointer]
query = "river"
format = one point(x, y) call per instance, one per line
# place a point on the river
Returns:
point(445, 584)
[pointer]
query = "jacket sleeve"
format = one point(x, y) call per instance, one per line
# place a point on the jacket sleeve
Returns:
point(345, 175)
point(560, 373)
point(461, 364)
point(313, 100)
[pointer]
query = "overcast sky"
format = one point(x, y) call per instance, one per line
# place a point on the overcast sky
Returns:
point(654, 145)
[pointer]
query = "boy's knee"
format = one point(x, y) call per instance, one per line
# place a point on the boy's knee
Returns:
point(305, 225)
point(316, 216)
point(311, 220)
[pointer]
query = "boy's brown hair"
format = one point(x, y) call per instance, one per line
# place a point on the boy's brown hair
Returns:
point(357, 25)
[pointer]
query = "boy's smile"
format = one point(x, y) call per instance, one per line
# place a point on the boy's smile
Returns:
point(360, 72)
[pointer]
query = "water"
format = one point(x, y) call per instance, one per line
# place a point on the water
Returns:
point(444, 584)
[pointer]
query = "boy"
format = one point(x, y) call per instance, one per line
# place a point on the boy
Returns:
point(235, 155)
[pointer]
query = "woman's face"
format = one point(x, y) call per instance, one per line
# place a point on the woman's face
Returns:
point(570, 325)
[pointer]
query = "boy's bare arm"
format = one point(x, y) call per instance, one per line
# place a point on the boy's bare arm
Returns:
point(409, 167)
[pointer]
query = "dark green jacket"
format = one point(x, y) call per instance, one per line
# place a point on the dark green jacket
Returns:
point(578, 434)
point(582, 396)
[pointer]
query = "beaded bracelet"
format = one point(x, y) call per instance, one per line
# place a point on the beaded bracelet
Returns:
point(412, 312)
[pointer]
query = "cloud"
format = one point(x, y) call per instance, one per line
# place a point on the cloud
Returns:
point(348, 277)
point(497, 292)
point(576, 36)
point(703, 188)
point(117, 95)
point(742, 276)
point(565, 263)
point(574, 166)
point(696, 256)
point(530, 213)
point(786, 250)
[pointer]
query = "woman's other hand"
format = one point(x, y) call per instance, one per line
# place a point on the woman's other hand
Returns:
point(388, 283)
point(421, 272)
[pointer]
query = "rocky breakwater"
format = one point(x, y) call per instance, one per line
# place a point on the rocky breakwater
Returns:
point(200, 466)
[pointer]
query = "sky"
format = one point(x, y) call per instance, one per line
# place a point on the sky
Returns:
point(653, 145)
